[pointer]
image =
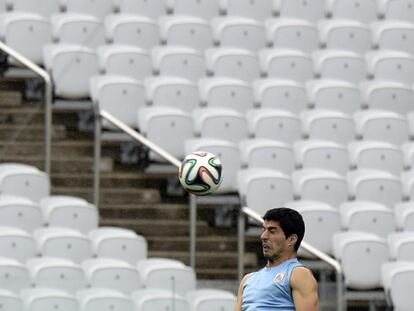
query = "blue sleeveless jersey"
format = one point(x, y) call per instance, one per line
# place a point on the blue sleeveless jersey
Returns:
point(269, 288)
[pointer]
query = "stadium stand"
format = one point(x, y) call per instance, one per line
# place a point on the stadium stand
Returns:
point(313, 106)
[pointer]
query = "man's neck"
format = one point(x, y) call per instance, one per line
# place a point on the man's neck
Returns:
point(280, 260)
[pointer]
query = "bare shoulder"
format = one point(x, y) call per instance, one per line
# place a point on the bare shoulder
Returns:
point(302, 276)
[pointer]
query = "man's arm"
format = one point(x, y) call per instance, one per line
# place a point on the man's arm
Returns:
point(238, 306)
point(304, 290)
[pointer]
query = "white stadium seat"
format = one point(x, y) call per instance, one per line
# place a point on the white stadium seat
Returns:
point(286, 64)
point(232, 62)
point(361, 256)
point(267, 153)
point(93, 299)
point(368, 217)
point(153, 8)
point(43, 7)
point(26, 33)
point(14, 275)
point(23, 180)
point(69, 212)
point(131, 29)
point(390, 65)
point(407, 179)
point(361, 10)
point(99, 9)
point(396, 9)
point(56, 273)
point(185, 30)
point(222, 123)
point(378, 155)
point(63, 243)
point(396, 279)
point(45, 299)
point(126, 60)
point(177, 125)
point(393, 35)
point(15, 243)
point(322, 222)
point(404, 216)
point(280, 94)
point(226, 93)
point(328, 125)
point(10, 301)
point(165, 275)
point(178, 61)
point(119, 95)
point(239, 32)
point(401, 245)
point(333, 94)
point(20, 212)
point(172, 91)
point(118, 243)
point(158, 299)
point(292, 33)
point(320, 185)
point(261, 189)
point(321, 154)
point(340, 65)
point(381, 125)
point(71, 66)
point(229, 155)
point(408, 154)
point(345, 34)
point(77, 28)
point(274, 124)
point(308, 10)
point(387, 95)
point(374, 185)
point(205, 9)
point(259, 10)
point(211, 299)
point(112, 274)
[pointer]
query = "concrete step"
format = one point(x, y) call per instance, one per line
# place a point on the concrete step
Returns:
point(22, 114)
point(59, 164)
point(204, 244)
point(228, 260)
point(59, 149)
point(113, 196)
point(157, 227)
point(109, 179)
point(12, 132)
point(9, 97)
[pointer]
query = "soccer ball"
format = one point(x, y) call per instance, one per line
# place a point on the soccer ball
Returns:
point(200, 173)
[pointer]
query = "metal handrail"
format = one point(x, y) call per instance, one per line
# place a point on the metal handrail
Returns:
point(48, 98)
point(160, 151)
point(306, 246)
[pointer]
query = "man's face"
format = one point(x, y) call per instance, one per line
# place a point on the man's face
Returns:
point(274, 241)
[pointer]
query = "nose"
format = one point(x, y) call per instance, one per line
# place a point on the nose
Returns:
point(264, 236)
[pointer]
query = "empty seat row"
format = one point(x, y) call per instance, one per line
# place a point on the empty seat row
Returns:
point(197, 33)
point(60, 242)
point(240, 95)
point(360, 10)
point(283, 126)
point(107, 299)
point(102, 272)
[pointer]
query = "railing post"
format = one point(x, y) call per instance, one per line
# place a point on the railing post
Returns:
point(193, 229)
point(97, 156)
point(241, 224)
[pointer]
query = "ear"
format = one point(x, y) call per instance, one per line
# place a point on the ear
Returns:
point(292, 239)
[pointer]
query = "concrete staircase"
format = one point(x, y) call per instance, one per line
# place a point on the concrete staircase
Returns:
point(130, 197)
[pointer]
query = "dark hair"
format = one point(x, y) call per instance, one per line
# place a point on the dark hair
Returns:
point(289, 220)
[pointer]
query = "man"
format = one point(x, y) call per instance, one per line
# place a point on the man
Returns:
point(283, 284)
